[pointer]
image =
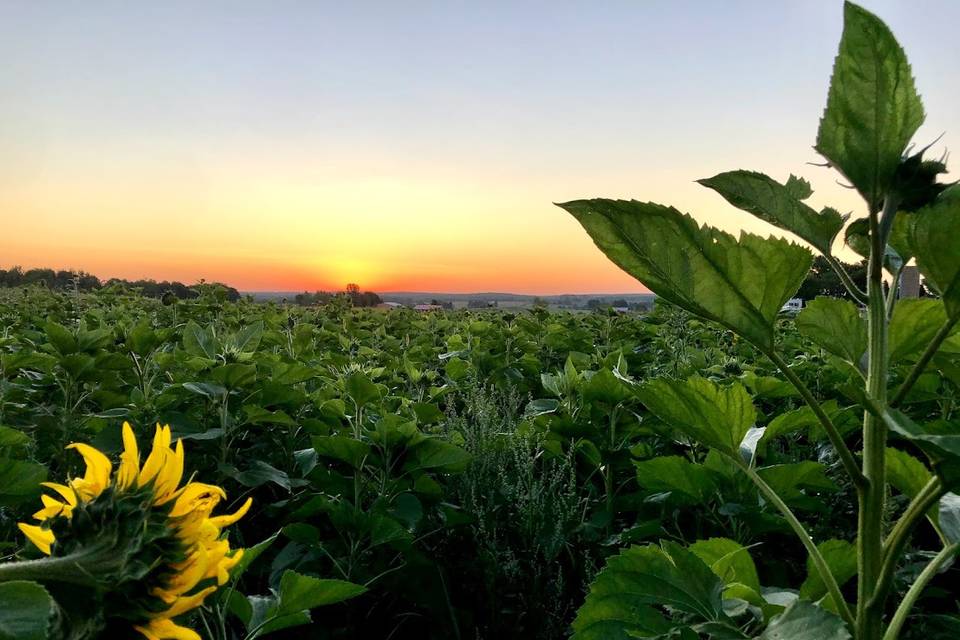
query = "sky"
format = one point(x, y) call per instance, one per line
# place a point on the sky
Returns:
point(408, 145)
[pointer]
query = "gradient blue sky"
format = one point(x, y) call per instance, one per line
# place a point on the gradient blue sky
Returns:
point(407, 145)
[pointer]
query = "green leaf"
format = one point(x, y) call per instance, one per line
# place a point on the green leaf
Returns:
point(26, 610)
point(361, 389)
point(433, 453)
point(914, 323)
point(873, 108)
point(235, 375)
point(198, 341)
point(803, 620)
point(835, 325)
point(621, 601)
point(933, 234)
point(713, 415)
point(61, 338)
point(20, 481)
point(343, 448)
point(299, 592)
point(780, 205)
point(792, 480)
point(250, 554)
point(691, 482)
point(944, 445)
point(605, 387)
point(728, 559)
point(740, 284)
point(841, 557)
point(905, 473)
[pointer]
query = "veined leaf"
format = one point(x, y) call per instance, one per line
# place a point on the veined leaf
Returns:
point(914, 323)
point(873, 108)
point(678, 475)
point(741, 284)
point(934, 237)
point(728, 559)
point(905, 473)
point(621, 601)
point(803, 620)
point(26, 610)
point(837, 326)
point(841, 557)
point(713, 415)
point(780, 205)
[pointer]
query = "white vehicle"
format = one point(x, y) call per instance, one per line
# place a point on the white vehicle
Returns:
point(793, 305)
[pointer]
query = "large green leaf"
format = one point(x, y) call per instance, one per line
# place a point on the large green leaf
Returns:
point(688, 481)
point(25, 611)
point(741, 284)
point(299, 592)
point(873, 108)
point(780, 205)
point(621, 601)
point(837, 326)
point(841, 557)
point(803, 620)
point(728, 559)
point(934, 236)
point(713, 415)
point(914, 323)
point(199, 341)
point(942, 448)
point(905, 473)
point(20, 481)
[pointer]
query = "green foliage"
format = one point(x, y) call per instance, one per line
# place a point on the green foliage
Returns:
point(781, 205)
point(26, 611)
point(740, 283)
point(873, 111)
point(873, 108)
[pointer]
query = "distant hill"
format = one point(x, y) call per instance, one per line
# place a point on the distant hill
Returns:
point(500, 299)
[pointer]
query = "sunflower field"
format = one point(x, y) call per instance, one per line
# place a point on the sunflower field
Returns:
point(715, 468)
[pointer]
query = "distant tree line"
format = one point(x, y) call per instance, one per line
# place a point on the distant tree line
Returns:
point(352, 291)
point(824, 281)
point(65, 280)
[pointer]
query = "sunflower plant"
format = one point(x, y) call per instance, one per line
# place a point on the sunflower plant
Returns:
point(127, 552)
point(883, 342)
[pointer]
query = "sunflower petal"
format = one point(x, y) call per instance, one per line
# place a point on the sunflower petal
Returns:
point(41, 538)
point(166, 629)
point(225, 521)
point(169, 476)
point(67, 492)
point(97, 477)
point(129, 459)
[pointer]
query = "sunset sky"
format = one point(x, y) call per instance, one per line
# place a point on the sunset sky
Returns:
point(408, 145)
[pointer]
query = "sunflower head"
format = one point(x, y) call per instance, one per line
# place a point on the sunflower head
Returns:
point(145, 548)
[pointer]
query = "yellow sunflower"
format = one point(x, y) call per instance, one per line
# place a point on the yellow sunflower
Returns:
point(158, 540)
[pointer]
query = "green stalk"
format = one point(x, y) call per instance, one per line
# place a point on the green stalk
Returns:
point(855, 292)
point(836, 439)
point(873, 496)
point(913, 594)
point(818, 560)
point(80, 568)
point(900, 534)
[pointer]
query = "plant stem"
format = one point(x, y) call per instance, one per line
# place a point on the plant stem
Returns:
point(855, 292)
point(821, 565)
point(69, 569)
point(924, 360)
point(873, 496)
point(900, 534)
point(846, 456)
point(913, 594)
